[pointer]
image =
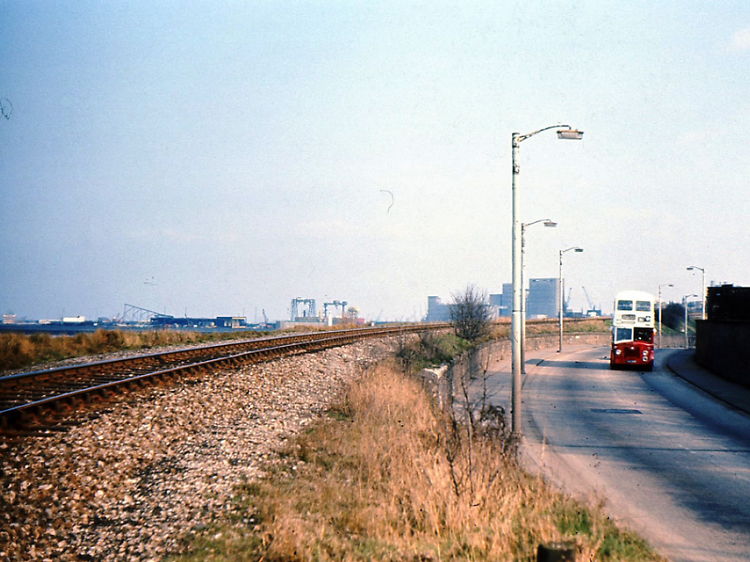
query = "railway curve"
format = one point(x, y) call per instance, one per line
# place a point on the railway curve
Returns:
point(36, 402)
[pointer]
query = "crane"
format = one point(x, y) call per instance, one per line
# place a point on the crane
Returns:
point(309, 313)
point(342, 304)
point(592, 311)
point(566, 304)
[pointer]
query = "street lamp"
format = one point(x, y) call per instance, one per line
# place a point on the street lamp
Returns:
point(661, 310)
point(564, 131)
point(562, 295)
point(549, 224)
point(703, 289)
point(684, 304)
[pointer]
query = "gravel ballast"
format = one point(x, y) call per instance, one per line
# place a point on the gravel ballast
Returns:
point(134, 482)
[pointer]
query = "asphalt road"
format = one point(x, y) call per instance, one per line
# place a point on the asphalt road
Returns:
point(667, 459)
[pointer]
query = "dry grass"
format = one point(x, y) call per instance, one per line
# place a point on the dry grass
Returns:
point(18, 351)
point(387, 476)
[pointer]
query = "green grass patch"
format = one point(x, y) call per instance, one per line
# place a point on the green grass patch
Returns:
point(430, 349)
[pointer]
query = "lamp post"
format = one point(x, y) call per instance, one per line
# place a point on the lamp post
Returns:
point(549, 224)
point(564, 132)
point(661, 309)
point(562, 295)
point(684, 304)
point(703, 289)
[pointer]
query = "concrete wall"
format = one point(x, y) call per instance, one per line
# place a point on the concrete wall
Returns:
point(674, 341)
point(723, 347)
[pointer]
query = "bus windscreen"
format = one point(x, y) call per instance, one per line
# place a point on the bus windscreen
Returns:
point(623, 334)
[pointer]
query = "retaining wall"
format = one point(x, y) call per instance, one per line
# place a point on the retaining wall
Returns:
point(440, 381)
point(544, 341)
point(723, 347)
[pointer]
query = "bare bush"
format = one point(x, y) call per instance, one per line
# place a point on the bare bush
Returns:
point(470, 314)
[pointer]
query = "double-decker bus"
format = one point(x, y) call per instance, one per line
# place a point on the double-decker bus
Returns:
point(633, 331)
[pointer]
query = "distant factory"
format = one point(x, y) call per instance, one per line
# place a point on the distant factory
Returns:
point(542, 301)
point(227, 322)
point(304, 312)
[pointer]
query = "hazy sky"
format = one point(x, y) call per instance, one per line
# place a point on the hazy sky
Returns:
point(213, 158)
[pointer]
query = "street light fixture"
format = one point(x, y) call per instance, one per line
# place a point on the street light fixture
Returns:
point(703, 289)
point(562, 295)
point(564, 131)
point(684, 304)
point(549, 224)
point(661, 310)
point(570, 134)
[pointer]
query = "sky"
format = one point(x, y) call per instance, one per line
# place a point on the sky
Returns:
point(210, 158)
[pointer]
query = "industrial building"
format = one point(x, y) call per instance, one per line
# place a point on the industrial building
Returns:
point(497, 306)
point(543, 300)
point(227, 322)
point(437, 311)
point(304, 312)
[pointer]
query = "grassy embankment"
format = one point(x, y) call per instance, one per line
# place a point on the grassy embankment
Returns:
point(386, 475)
point(18, 350)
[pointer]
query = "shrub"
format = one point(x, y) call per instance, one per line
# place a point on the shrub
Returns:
point(470, 314)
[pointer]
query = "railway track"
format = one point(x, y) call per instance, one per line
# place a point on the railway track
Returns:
point(38, 402)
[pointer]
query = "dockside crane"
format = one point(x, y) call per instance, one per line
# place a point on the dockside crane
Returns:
point(592, 311)
point(296, 309)
point(566, 302)
point(342, 304)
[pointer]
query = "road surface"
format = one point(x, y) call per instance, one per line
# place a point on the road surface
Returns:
point(669, 461)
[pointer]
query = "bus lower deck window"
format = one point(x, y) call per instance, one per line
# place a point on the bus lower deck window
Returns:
point(623, 334)
point(644, 334)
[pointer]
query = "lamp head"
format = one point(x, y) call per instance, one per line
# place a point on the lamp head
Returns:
point(569, 134)
point(579, 250)
point(550, 224)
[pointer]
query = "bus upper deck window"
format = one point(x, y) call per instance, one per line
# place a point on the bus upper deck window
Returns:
point(624, 305)
point(643, 306)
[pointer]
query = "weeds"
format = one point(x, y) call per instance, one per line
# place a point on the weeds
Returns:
point(430, 349)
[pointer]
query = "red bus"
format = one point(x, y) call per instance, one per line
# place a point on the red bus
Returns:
point(633, 331)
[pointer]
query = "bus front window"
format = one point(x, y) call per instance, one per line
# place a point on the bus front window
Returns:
point(624, 305)
point(644, 335)
point(623, 334)
point(643, 306)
